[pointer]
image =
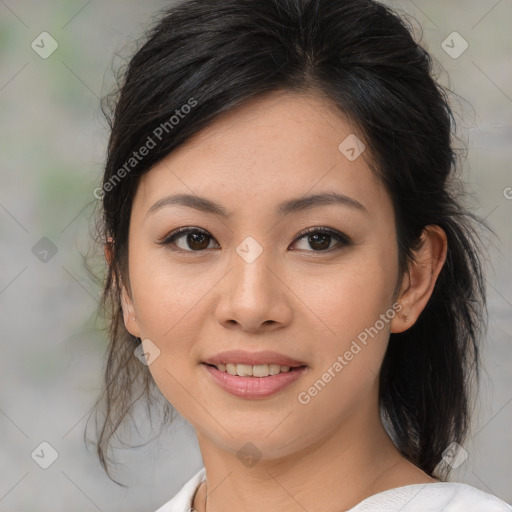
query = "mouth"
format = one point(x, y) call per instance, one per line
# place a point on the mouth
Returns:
point(254, 381)
point(254, 375)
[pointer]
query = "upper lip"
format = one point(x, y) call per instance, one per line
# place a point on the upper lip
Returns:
point(252, 358)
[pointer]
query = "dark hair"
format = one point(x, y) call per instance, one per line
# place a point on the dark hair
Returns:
point(218, 54)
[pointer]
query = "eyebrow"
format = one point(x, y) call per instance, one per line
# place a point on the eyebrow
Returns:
point(292, 205)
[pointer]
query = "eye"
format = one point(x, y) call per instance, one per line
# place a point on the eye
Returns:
point(320, 238)
point(196, 239)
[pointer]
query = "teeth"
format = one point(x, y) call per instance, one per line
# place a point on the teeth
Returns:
point(244, 370)
point(274, 369)
point(258, 370)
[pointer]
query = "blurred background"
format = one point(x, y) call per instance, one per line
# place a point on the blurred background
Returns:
point(55, 65)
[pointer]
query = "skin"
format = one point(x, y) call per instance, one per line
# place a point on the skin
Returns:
point(295, 299)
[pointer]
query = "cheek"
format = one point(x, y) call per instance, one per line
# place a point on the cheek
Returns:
point(165, 293)
point(350, 338)
point(169, 313)
point(351, 296)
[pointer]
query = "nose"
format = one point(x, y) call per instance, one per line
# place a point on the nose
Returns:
point(254, 295)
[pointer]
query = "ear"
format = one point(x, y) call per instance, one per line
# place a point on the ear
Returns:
point(129, 315)
point(420, 278)
point(108, 249)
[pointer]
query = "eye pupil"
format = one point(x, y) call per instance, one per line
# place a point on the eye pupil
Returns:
point(313, 239)
point(192, 239)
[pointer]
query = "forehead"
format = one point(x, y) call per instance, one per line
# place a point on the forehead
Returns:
point(273, 147)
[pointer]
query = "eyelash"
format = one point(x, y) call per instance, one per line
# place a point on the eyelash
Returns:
point(342, 239)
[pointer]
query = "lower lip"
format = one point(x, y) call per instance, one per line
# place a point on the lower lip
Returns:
point(255, 387)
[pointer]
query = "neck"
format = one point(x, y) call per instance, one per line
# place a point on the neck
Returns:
point(334, 473)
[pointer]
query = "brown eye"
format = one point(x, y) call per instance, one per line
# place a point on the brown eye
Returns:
point(320, 239)
point(195, 240)
point(198, 240)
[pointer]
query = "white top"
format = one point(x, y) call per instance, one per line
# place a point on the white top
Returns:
point(435, 497)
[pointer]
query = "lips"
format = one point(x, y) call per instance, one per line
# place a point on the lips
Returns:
point(252, 358)
point(254, 388)
point(248, 385)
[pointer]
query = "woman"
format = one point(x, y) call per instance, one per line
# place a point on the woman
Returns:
point(288, 262)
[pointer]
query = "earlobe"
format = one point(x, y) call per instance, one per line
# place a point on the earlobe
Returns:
point(421, 277)
point(399, 321)
point(129, 316)
point(108, 250)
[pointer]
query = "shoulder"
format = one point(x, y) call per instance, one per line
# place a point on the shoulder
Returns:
point(182, 501)
point(434, 497)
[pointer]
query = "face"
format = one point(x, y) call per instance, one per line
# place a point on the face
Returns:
point(254, 280)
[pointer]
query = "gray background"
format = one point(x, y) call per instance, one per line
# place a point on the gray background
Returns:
point(52, 146)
